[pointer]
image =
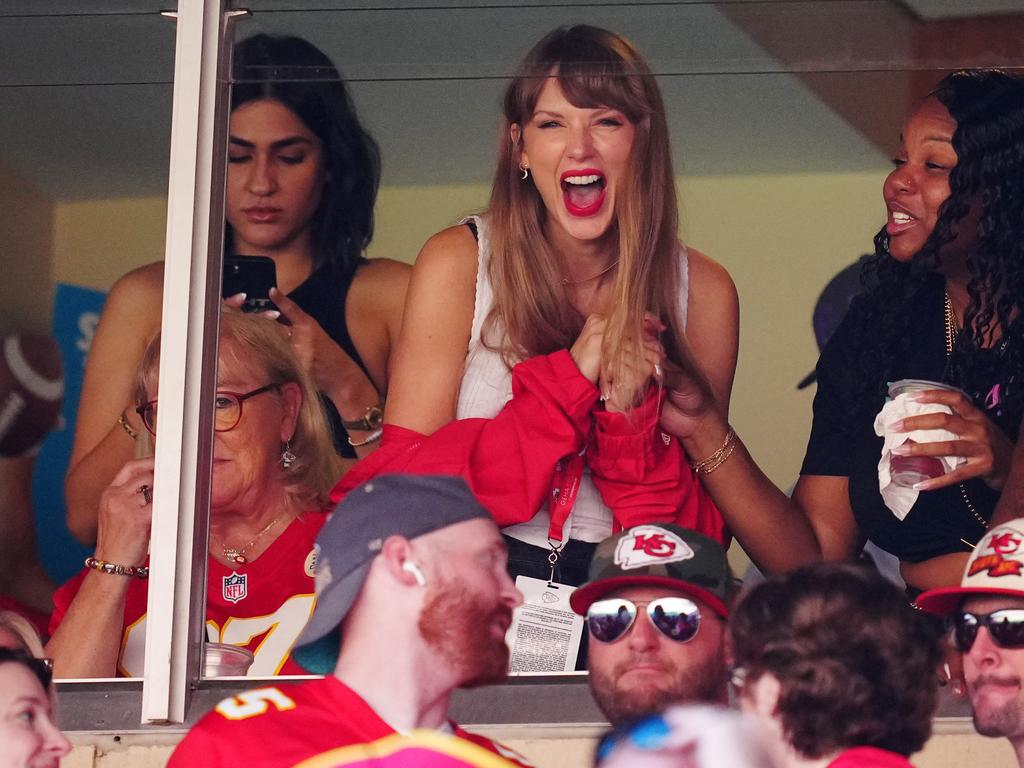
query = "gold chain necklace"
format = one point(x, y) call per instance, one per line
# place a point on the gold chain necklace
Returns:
point(237, 555)
point(950, 326)
point(567, 281)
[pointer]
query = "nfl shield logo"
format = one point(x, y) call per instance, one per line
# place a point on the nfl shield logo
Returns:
point(235, 587)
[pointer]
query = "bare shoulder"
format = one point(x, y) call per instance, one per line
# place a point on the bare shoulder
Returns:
point(380, 281)
point(453, 249)
point(708, 278)
point(141, 284)
point(138, 295)
point(435, 335)
point(381, 272)
point(444, 276)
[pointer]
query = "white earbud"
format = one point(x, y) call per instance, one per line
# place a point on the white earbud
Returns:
point(410, 567)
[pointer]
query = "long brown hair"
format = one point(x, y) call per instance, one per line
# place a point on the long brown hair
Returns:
point(531, 314)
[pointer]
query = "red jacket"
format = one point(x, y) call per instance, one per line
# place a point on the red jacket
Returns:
point(533, 452)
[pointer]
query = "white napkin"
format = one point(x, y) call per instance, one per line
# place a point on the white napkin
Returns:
point(897, 498)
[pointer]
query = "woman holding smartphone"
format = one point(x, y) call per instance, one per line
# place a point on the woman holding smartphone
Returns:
point(301, 186)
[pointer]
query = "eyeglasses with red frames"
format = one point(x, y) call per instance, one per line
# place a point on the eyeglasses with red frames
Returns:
point(227, 409)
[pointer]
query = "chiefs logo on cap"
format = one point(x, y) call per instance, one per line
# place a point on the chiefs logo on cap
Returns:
point(650, 545)
point(1003, 543)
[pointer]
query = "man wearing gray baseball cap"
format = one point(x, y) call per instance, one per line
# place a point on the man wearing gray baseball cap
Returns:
point(413, 601)
point(656, 605)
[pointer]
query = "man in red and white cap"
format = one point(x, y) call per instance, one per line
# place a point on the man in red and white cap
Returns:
point(987, 616)
point(656, 605)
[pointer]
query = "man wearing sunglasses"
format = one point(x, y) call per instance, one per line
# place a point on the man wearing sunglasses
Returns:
point(413, 601)
point(986, 618)
point(656, 603)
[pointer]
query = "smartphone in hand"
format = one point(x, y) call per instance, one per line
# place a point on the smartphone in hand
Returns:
point(252, 275)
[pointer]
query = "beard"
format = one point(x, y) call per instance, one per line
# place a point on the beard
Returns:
point(1004, 719)
point(458, 626)
point(623, 703)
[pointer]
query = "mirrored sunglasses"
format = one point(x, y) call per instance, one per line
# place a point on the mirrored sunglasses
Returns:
point(1006, 628)
point(677, 618)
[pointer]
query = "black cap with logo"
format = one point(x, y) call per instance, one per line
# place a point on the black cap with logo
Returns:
point(659, 554)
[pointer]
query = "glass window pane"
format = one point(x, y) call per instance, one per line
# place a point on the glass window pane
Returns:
point(783, 117)
point(85, 105)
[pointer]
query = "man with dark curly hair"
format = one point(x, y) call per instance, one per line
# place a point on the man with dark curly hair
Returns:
point(838, 666)
point(987, 616)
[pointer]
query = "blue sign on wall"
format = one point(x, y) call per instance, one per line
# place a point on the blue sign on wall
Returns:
point(76, 312)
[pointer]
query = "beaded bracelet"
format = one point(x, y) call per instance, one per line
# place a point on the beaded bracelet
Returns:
point(138, 571)
point(718, 458)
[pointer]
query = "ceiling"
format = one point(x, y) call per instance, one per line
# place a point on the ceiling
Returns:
point(774, 87)
point(955, 9)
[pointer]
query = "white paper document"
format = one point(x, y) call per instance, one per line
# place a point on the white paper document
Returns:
point(545, 634)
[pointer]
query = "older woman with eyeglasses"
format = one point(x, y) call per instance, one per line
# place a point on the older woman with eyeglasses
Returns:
point(273, 466)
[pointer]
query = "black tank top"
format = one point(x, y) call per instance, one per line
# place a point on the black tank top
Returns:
point(323, 296)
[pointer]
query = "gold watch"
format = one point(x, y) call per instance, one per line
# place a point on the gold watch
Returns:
point(371, 420)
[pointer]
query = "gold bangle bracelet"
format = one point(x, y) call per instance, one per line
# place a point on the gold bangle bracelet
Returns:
point(718, 458)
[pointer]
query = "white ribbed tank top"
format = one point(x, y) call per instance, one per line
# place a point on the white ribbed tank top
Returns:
point(487, 386)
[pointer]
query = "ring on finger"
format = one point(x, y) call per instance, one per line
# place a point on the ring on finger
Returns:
point(147, 493)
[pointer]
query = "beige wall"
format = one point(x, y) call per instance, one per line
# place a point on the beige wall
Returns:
point(97, 241)
point(550, 747)
point(26, 229)
point(781, 237)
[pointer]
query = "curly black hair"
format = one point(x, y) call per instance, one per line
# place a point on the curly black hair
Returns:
point(296, 73)
point(988, 179)
point(857, 666)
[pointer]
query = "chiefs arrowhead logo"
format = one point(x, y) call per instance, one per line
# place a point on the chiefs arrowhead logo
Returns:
point(650, 545)
point(1002, 543)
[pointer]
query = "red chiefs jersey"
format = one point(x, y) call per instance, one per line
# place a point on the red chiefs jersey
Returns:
point(261, 605)
point(305, 724)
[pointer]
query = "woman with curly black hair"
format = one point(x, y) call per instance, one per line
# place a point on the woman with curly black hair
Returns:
point(839, 668)
point(941, 303)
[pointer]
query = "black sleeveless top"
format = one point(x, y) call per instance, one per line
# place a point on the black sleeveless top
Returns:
point(843, 440)
point(322, 296)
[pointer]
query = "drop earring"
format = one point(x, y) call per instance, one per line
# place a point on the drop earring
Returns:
point(287, 457)
point(525, 169)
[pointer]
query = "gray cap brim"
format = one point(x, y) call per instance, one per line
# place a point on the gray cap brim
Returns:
point(400, 504)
